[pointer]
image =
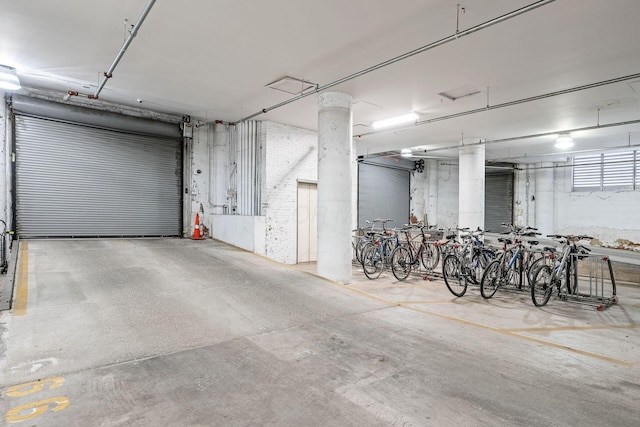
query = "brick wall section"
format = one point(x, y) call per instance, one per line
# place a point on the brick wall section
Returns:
point(291, 155)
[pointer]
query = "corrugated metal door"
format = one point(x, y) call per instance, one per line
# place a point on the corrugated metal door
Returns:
point(498, 201)
point(79, 181)
point(383, 192)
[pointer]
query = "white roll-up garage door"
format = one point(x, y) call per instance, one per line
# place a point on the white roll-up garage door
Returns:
point(81, 181)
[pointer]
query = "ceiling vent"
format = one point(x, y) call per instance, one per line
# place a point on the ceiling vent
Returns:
point(291, 85)
point(460, 92)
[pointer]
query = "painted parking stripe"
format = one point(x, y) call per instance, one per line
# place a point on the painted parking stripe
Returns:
point(22, 287)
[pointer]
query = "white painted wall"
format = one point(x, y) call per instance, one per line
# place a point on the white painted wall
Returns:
point(246, 232)
point(291, 155)
point(524, 192)
point(435, 193)
point(609, 216)
point(447, 194)
point(199, 193)
point(418, 188)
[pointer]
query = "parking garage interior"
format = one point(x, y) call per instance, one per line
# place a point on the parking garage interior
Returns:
point(179, 233)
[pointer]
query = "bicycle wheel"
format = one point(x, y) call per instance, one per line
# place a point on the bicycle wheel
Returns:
point(430, 256)
point(388, 247)
point(479, 262)
point(401, 262)
point(454, 279)
point(533, 267)
point(491, 280)
point(372, 263)
point(541, 288)
point(361, 243)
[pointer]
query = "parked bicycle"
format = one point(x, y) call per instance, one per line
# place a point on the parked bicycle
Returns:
point(562, 277)
point(467, 264)
point(410, 254)
point(376, 255)
point(512, 267)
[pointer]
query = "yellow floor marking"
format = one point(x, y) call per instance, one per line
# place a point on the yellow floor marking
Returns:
point(22, 288)
point(451, 301)
point(571, 349)
point(574, 328)
point(524, 337)
point(464, 321)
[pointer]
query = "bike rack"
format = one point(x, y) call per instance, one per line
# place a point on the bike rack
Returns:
point(596, 284)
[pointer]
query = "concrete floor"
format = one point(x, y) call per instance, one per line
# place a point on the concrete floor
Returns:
point(170, 332)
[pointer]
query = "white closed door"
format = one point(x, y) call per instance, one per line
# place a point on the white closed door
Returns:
point(307, 222)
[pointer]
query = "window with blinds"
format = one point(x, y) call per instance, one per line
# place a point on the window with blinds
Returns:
point(607, 171)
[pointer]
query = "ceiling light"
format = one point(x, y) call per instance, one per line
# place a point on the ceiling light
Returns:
point(406, 152)
point(407, 118)
point(9, 78)
point(564, 141)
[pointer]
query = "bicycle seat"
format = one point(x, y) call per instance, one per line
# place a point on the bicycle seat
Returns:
point(533, 242)
point(548, 249)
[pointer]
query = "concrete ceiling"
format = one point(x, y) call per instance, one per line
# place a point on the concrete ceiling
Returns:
point(212, 59)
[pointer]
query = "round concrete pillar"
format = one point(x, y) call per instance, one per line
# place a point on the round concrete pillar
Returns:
point(471, 187)
point(544, 200)
point(335, 151)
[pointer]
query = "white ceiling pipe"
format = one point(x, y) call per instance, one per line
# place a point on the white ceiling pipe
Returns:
point(507, 104)
point(127, 42)
point(455, 36)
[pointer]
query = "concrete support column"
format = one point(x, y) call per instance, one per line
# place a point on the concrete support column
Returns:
point(471, 187)
point(544, 199)
point(432, 192)
point(335, 151)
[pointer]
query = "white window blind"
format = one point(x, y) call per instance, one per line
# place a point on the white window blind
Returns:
point(607, 171)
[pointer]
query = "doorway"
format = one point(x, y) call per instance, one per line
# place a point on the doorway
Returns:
point(307, 222)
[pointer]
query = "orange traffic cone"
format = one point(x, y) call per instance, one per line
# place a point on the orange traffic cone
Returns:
point(196, 229)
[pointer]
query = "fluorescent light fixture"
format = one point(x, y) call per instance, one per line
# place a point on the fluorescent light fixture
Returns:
point(406, 152)
point(564, 141)
point(407, 118)
point(9, 78)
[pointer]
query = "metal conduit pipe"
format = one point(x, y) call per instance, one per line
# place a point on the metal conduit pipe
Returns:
point(537, 135)
point(123, 49)
point(455, 36)
point(507, 104)
point(581, 164)
point(590, 150)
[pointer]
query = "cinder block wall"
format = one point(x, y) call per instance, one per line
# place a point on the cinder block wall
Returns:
point(291, 156)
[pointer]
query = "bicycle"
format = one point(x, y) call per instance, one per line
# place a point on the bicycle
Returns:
point(467, 263)
point(376, 255)
point(406, 257)
point(563, 277)
point(513, 265)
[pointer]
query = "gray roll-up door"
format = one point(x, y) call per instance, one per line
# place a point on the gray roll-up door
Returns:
point(79, 181)
point(498, 200)
point(383, 192)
